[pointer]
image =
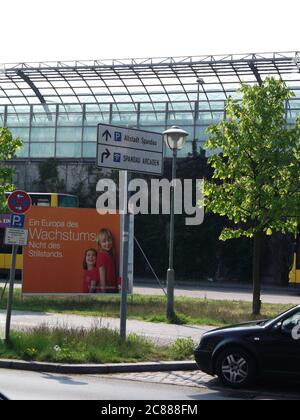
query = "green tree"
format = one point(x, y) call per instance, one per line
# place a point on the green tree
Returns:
point(8, 149)
point(256, 175)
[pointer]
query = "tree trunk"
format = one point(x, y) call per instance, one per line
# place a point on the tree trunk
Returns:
point(256, 274)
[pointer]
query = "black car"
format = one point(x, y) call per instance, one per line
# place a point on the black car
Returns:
point(240, 354)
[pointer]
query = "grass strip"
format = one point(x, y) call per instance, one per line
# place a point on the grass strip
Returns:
point(148, 308)
point(99, 345)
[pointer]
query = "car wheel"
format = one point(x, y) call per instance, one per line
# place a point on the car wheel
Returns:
point(235, 368)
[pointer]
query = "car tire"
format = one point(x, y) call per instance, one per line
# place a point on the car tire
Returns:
point(235, 368)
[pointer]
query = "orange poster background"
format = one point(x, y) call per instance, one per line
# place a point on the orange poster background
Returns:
point(57, 274)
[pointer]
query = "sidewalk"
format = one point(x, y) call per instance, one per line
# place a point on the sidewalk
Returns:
point(160, 333)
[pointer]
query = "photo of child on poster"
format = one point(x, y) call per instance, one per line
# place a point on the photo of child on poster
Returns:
point(107, 263)
point(72, 252)
point(90, 272)
point(101, 268)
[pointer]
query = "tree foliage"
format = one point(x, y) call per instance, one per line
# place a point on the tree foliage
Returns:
point(8, 149)
point(256, 175)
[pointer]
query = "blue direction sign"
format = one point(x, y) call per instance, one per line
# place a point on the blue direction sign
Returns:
point(17, 221)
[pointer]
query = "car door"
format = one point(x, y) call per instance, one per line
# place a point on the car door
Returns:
point(280, 346)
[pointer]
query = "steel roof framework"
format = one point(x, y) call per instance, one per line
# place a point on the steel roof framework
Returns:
point(54, 97)
point(67, 82)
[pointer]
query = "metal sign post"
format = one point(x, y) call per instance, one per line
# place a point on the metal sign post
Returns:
point(11, 292)
point(15, 237)
point(19, 202)
point(128, 150)
point(124, 257)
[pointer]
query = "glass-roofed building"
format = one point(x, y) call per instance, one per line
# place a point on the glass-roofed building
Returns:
point(55, 106)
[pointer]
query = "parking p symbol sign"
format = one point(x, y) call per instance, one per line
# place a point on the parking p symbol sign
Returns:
point(17, 221)
point(118, 136)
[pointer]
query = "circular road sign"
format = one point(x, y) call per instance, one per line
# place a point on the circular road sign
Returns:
point(19, 202)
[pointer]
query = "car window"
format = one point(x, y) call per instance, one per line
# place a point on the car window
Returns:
point(291, 323)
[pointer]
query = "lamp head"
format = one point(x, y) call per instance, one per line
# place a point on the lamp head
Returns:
point(175, 137)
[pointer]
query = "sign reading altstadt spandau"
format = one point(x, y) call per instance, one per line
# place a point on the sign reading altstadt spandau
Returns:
point(129, 149)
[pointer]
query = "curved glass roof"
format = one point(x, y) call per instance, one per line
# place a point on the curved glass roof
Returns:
point(55, 107)
point(149, 80)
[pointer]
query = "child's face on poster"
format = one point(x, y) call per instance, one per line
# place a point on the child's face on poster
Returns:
point(91, 258)
point(106, 244)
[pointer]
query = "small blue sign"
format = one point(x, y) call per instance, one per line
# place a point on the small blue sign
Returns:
point(17, 221)
point(118, 136)
point(117, 157)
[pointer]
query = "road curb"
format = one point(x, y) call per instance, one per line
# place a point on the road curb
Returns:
point(98, 369)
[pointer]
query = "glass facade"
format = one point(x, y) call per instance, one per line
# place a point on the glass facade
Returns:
point(55, 107)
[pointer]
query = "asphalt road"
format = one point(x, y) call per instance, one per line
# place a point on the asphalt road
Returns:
point(216, 292)
point(23, 385)
point(17, 385)
point(226, 293)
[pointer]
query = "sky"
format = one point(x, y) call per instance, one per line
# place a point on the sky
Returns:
point(54, 30)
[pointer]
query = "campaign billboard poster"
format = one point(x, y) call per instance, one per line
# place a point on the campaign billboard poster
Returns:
point(72, 252)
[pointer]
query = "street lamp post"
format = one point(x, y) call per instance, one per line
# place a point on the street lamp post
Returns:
point(199, 82)
point(175, 139)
